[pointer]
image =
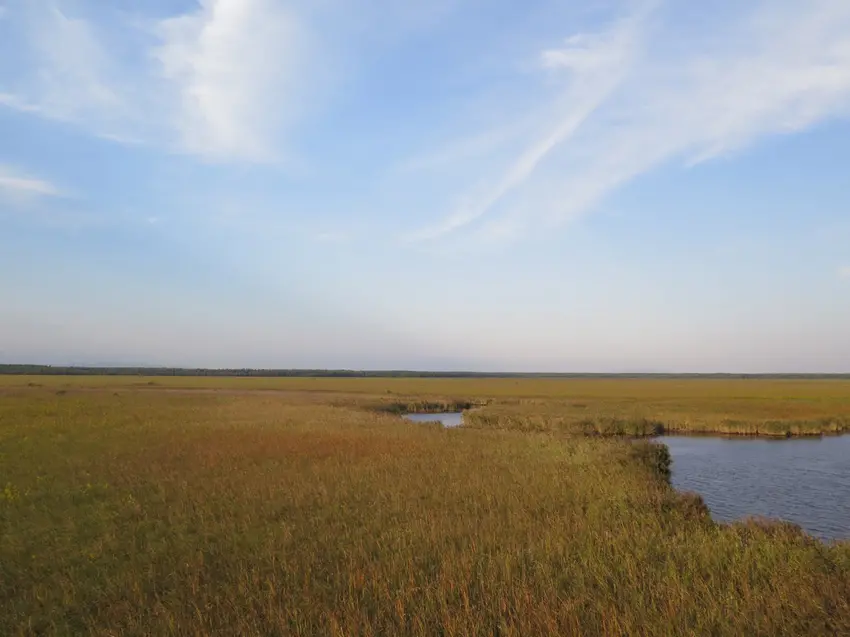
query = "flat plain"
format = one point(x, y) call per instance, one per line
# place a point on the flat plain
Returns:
point(270, 506)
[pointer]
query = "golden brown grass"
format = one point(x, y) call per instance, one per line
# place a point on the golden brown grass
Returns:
point(469, 388)
point(764, 407)
point(777, 418)
point(135, 511)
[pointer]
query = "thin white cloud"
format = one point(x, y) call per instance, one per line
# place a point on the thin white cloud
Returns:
point(220, 81)
point(639, 95)
point(598, 64)
point(233, 64)
point(226, 80)
point(844, 272)
point(70, 75)
point(14, 183)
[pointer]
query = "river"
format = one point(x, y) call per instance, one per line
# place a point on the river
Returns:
point(805, 481)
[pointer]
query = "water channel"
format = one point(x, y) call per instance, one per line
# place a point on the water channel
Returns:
point(805, 481)
point(449, 419)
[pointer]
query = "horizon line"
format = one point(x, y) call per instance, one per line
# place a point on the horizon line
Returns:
point(13, 369)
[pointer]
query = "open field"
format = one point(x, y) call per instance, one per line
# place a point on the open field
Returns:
point(601, 388)
point(607, 406)
point(304, 507)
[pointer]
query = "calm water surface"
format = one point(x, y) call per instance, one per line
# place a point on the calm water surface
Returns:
point(805, 481)
point(449, 419)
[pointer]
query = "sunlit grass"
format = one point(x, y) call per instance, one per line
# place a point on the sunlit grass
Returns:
point(132, 510)
point(621, 389)
point(765, 407)
point(611, 418)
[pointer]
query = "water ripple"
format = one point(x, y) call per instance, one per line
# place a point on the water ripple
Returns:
point(805, 481)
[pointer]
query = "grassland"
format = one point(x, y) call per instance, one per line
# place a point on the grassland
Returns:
point(638, 407)
point(134, 506)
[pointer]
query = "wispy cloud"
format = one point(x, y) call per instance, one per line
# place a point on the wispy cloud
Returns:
point(233, 64)
point(228, 80)
point(16, 184)
point(219, 81)
point(638, 95)
point(598, 64)
point(69, 75)
point(844, 272)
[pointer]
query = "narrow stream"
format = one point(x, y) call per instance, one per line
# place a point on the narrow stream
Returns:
point(449, 419)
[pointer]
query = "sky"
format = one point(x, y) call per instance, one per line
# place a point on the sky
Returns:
point(490, 185)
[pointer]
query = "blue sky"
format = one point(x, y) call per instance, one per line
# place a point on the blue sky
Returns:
point(609, 185)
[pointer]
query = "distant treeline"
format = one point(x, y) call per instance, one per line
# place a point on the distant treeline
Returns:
point(52, 370)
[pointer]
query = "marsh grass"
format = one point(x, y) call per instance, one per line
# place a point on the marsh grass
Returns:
point(776, 419)
point(634, 407)
point(138, 511)
point(421, 406)
point(759, 392)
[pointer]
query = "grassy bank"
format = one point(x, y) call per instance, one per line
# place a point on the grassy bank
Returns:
point(130, 511)
point(638, 420)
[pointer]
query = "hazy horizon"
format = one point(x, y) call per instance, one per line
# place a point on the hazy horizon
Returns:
point(637, 185)
point(413, 370)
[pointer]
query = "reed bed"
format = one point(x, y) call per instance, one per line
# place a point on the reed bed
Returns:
point(139, 510)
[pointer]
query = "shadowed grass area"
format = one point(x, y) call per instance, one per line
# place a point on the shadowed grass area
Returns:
point(421, 406)
point(142, 511)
